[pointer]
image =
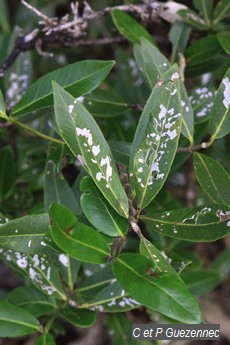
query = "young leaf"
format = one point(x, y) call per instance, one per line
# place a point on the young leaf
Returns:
point(77, 78)
point(198, 224)
point(80, 130)
point(213, 178)
point(220, 115)
point(25, 234)
point(40, 269)
point(33, 300)
point(15, 321)
point(129, 28)
point(165, 294)
point(156, 138)
point(78, 317)
point(77, 239)
point(2, 104)
point(7, 171)
point(99, 212)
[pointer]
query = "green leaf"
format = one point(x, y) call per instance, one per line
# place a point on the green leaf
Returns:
point(221, 264)
point(77, 239)
point(213, 178)
point(56, 189)
point(99, 212)
point(129, 27)
point(201, 282)
point(7, 171)
point(220, 115)
point(179, 35)
point(121, 151)
point(201, 50)
point(4, 17)
point(160, 260)
point(197, 224)
point(2, 104)
point(224, 39)
point(45, 339)
point(201, 99)
point(105, 103)
point(40, 269)
point(192, 18)
point(78, 317)
point(221, 10)
point(33, 300)
point(155, 63)
point(187, 128)
point(156, 138)
point(79, 129)
point(15, 321)
point(205, 7)
point(165, 294)
point(25, 234)
point(77, 78)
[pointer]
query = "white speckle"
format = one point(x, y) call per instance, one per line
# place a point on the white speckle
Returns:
point(140, 160)
point(172, 134)
point(63, 259)
point(48, 289)
point(96, 150)
point(79, 99)
point(226, 100)
point(155, 167)
point(22, 262)
point(85, 133)
point(29, 243)
point(113, 302)
point(106, 161)
point(43, 244)
point(165, 64)
point(140, 169)
point(162, 112)
point(173, 92)
point(99, 176)
point(16, 231)
point(70, 108)
point(175, 76)
point(81, 160)
point(35, 260)
point(88, 273)
point(48, 273)
point(228, 223)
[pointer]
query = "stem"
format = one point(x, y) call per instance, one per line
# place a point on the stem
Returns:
point(27, 128)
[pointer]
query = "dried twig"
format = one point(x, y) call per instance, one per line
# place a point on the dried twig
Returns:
point(69, 30)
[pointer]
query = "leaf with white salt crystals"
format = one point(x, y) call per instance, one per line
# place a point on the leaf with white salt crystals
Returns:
point(25, 234)
point(165, 293)
point(82, 134)
point(220, 115)
point(201, 99)
point(198, 224)
point(156, 138)
point(39, 269)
